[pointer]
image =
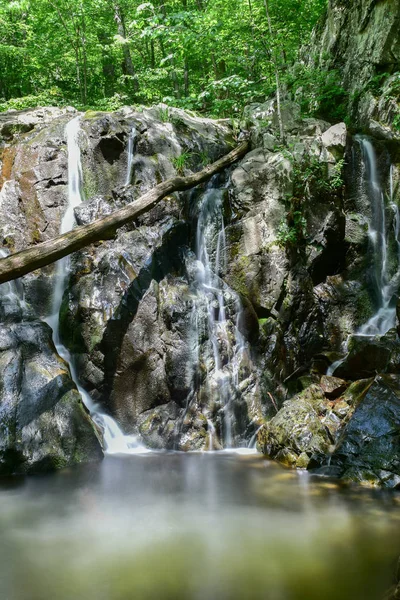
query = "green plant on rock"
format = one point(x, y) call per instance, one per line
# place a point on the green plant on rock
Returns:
point(336, 179)
point(177, 121)
point(396, 122)
point(376, 83)
point(204, 158)
point(181, 162)
point(319, 92)
point(164, 115)
point(291, 229)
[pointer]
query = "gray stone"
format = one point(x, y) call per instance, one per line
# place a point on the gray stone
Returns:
point(334, 140)
point(369, 447)
point(43, 424)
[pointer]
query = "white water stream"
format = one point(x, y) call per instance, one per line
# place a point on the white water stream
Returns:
point(131, 149)
point(115, 442)
point(386, 285)
point(227, 342)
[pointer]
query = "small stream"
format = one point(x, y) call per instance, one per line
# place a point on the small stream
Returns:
point(114, 440)
point(385, 284)
point(223, 309)
point(385, 279)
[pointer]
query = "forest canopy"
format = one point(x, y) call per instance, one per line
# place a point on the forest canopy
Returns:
point(212, 56)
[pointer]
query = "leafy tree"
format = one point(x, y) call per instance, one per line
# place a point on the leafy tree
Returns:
point(213, 56)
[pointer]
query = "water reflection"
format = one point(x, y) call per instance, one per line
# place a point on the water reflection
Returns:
point(177, 526)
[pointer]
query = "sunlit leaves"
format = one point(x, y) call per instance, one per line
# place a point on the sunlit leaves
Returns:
point(209, 55)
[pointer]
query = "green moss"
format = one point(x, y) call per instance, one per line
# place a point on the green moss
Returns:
point(357, 391)
point(364, 307)
point(93, 114)
point(147, 426)
point(90, 187)
point(238, 276)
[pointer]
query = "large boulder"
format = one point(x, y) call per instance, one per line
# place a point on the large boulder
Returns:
point(334, 140)
point(43, 424)
point(369, 447)
point(296, 433)
point(366, 356)
point(355, 436)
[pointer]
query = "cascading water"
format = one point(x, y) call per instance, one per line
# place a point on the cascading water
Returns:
point(12, 292)
point(114, 439)
point(385, 285)
point(131, 150)
point(386, 278)
point(223, 312)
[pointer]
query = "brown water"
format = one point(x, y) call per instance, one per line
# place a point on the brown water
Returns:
point(196, 526)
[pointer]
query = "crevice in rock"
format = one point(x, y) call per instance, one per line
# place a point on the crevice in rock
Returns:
point(111, 149)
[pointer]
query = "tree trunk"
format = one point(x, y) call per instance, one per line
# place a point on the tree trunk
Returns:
point(43, 254)
point(84, 55)
point(186, 77)
point(278, 85)
point(129, 69)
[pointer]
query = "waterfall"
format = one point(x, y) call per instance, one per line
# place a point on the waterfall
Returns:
point(385, 285)
point(228, 346)
point(114, 439)
point(131, 149)
point(12, 290)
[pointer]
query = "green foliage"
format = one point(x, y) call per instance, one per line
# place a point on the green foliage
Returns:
point(109, 104)
point(310, 177)
point(319, 92)
point(181, 162)
point(52, 97)
point(164, 115)
point(394, 87)
point(335, 182)
point(291, 234)
point(211, 56)
point(375, 84)
point(396, 122)
point(204, 158)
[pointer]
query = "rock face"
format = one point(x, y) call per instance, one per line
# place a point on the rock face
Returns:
point(369, 446)
point(360, 39)
point(355, 436)
point(43, 424)
point(219, 313)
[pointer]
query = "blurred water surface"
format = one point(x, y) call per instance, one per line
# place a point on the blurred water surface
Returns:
point(196, 526)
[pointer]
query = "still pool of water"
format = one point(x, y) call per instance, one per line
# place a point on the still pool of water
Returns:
point(196, 526)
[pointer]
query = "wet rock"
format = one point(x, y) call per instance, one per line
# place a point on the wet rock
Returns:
point(356, 230)
point(297, 430)
point(369, 447)
point(94, 209)
point(305, 431)
point(43, 424)
point(157, 427)
point(366, 357)
point(333, 387)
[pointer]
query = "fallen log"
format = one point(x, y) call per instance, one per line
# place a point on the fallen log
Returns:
point(45, 253)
